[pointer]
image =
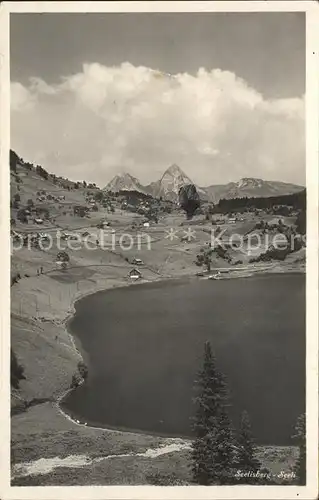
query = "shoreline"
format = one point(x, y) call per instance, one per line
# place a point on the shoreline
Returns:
point(78, 297)
point(65, 322)
point(123, 444)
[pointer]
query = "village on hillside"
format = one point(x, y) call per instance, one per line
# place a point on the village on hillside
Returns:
point(43, 205)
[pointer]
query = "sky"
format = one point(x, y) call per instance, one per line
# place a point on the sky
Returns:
point(219, 94)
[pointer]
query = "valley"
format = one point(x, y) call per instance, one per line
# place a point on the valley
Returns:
point(72, 239)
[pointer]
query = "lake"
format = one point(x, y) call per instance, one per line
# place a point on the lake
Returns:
point(144, 344)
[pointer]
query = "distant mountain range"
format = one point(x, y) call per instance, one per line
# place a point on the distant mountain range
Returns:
point(174, 178)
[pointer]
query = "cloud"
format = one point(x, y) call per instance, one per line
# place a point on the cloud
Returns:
point(21, 98)
point(106, 120)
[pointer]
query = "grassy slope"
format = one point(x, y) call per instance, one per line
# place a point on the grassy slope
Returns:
point(61, 437)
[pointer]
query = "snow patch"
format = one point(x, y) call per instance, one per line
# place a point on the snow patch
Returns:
point(47, 465)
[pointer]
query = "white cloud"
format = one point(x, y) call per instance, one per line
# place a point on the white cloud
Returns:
point(105, 120)
point(21, 98)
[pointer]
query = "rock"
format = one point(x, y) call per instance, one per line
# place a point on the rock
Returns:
point(189, 199)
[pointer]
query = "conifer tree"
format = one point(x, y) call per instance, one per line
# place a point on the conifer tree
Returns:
point(212, 448)
point(246, 450)
point(300, 437)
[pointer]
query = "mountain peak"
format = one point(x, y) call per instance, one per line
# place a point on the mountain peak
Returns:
point(174, 169)
point(174, 178)
point(250, 181)
point(124, 182)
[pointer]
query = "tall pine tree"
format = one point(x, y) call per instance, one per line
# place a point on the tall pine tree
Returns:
point(300, 437)
point(212, 448)
point(246, 450)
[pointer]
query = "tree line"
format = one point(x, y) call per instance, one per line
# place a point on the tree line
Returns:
point(296, 200)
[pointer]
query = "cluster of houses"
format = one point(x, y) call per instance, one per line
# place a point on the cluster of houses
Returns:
point(43, 196)
point(28, 214)
point(228, 220)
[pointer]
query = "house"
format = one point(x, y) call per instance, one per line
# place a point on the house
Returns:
point(232, 220)
point(38, 221)
point(146, 224)
point(103, 224)
point(137, 262)
point(135, 274)
point(218, 221)
point(43, 236)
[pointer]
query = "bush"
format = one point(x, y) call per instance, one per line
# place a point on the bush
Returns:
point(221, 252)
point(199, 259)
point(16, 372)
point(80, 210)
point(271, 254)
point(14, 159)
point(22, 217)
point(43, 212)
point(301, 222)
point(75, 381)
point(42, 172)
point(98, 196)
point(63, 257)
point(83, 370)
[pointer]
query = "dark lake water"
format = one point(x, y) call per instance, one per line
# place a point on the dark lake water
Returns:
point(144, 345)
